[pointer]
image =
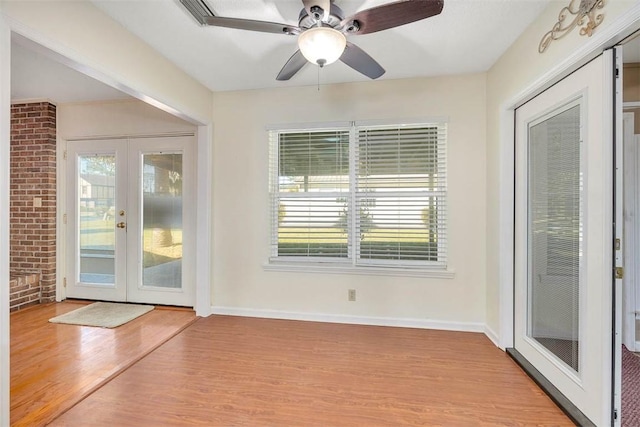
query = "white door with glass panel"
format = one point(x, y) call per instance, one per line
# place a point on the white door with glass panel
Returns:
point(563, 267)
point(130, 220)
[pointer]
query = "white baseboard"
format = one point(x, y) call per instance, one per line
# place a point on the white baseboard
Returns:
point(357, 320)
point(493, 336)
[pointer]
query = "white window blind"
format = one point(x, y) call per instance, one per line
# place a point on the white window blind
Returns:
point(310, 187)
point(401, 195)
point(555, 232)
point(393, 176)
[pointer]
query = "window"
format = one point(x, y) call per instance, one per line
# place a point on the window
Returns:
point(394, 177)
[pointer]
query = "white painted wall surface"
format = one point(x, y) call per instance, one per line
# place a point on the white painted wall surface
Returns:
point(116, 118)
point(5, 114)
point(241, 202)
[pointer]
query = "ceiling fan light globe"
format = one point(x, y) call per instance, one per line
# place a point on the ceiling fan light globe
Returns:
point(322, 45)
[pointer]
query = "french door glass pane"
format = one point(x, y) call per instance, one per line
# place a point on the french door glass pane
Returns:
point(162, 220)
point(96, 218)
point(555, 234)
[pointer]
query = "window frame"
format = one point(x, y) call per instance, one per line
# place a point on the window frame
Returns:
point(353, 263)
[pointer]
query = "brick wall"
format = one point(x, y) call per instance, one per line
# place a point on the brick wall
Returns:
point(24, 291)
point(33, 195)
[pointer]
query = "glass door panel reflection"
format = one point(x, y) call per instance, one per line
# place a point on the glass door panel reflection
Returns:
point(555, 234)
point(96, 218)
point(162, 220)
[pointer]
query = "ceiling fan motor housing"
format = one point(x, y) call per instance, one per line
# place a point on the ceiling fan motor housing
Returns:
point(335, 17)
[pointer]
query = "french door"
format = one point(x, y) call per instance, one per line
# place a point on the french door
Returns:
point(563, 266)
point(130, 220)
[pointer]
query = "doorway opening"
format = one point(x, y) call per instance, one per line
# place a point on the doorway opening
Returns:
point(52, 104)
point(561, 237)
point(130, 231)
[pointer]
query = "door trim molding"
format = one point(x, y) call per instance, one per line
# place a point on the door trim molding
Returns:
point(204, 182)
point(202, 193)
point(131, 136)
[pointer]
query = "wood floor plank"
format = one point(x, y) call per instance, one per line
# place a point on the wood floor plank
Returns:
point(54, 366)
point(232, 371)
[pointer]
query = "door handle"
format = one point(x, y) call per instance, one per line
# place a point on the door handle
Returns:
point(121, 225)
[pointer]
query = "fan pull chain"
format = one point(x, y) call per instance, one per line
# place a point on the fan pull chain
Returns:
point(319, 78)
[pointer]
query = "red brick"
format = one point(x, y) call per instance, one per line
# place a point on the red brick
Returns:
point(33, 174)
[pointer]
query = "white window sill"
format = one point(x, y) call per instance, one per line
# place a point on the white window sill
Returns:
point(328, 268)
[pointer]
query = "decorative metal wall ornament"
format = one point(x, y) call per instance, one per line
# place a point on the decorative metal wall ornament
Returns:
point(585, 14)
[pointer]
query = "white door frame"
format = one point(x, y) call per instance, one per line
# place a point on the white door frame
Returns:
point(202, 300)
point(603, 38)
point(204, 136)
point(630, 241)
point(127, 151)
point(589, 387)
point(609, 36)
point(619, 247)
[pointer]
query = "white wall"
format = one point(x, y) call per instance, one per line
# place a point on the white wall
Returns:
point(5, 118)
point(516, 70)
point(241, 201)
point(116, 118)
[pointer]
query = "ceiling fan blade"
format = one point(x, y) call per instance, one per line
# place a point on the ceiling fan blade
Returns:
point(293, 65)
point(325, 5)
point(391, 15)
point(360, 61)
point(248, 24)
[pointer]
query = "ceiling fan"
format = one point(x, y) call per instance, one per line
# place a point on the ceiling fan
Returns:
point(322, 30)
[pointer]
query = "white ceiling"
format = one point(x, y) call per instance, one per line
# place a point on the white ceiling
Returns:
point(469, 36)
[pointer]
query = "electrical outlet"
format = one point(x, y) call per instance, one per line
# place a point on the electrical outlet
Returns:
point(352, 294)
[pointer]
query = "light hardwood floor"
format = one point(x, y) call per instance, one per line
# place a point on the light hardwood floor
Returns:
point(232, 371)
point(54, 366)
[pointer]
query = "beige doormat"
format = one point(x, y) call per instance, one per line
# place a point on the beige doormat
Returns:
point(103, 314)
